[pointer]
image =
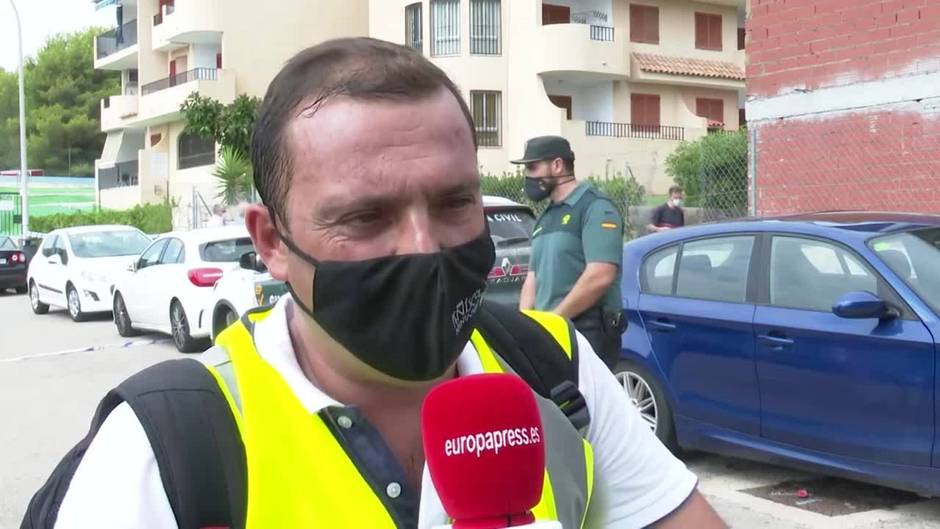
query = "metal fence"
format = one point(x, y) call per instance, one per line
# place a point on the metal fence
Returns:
point(196, 74)
point(713, 172)
point(11, 215)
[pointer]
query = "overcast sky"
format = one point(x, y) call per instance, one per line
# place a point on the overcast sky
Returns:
point(42, 18)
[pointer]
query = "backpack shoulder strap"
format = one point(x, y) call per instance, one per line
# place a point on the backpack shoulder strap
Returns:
point(194, 438)
point(196, 442)
point(537, 357)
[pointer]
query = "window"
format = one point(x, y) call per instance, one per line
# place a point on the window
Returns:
point(715, 269)
point(445, 28)
point(414, 31)
point(658, 272)
point(552, 14)
point(644, 110)
point(152, 255)
point(225, 251)
point(7, 243)
point(711, 109)
point(562, 102)
point(485, 27)
point(812, 275)
point(708, 31)
point(913, 257)
point(742, 38)
point(487, 117)
point(644, 24)
point(195, 151)
point(174, 254)
point(111, 243)
point(48, 247)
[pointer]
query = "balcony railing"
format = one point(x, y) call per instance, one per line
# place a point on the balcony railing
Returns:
point(602, 33)
point(196, 74)
point(123, 174)
point(117, 39)
point(632, 130)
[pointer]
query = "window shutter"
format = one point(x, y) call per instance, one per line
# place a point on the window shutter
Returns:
point(701, 31)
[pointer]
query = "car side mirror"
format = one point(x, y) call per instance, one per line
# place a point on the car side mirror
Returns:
point(250, 261)
point(863, 305)
point(132, 266)
point(63, 256)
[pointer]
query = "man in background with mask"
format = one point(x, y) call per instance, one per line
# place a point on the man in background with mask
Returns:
point(669, 215)
point(577, 248)
point(364, 155)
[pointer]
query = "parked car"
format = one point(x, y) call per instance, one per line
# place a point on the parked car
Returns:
point(510, 226)
point(169, 286)
point(12, 266)
point(75, 268)
point(808, 341)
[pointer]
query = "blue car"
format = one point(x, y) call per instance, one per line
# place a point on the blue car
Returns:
point(806, 341)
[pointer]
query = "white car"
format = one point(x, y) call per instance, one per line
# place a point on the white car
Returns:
point(169, 286)
point(240, 290)
point(75, 268)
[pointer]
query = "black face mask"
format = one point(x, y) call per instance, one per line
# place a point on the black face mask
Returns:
point(408, 316)
point(538, 189)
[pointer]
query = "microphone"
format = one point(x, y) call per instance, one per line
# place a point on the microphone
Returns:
point(485, 450)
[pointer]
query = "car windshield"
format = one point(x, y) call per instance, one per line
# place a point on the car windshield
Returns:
point(225, 251)
point(111, 243)
point(7, 243)
point(915, 257)
point(510, 227)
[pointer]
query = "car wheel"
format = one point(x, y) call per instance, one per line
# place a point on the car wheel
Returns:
point(180, 327)
point(122, 320)
point(21, 290)
point(643, 393)
point(223, 319)
point(74, 304)
point(38, 306)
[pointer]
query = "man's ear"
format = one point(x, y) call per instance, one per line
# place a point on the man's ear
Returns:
point(267, 241)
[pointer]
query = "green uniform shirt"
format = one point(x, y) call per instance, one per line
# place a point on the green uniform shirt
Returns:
point(584, 228)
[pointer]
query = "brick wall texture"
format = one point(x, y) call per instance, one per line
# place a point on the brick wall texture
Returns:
point(885, 157)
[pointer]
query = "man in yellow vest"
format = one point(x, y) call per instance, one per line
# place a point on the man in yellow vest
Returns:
point(364, 155)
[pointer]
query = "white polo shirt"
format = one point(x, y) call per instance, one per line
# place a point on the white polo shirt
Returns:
point(637, 481)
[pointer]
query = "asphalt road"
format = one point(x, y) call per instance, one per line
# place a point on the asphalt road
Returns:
point(53, 373)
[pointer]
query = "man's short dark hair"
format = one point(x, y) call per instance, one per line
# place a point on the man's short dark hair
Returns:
point(569, 165)
point(672, 190)
point(360, 68)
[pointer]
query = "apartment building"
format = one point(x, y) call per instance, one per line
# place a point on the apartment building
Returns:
point(169, 49)
point(624, 80)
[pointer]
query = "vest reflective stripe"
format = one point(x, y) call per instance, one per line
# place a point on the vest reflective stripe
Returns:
point(288, 450)
point(558, 327)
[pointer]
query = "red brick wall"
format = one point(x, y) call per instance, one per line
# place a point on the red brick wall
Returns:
point(808, 44)
point(882, 160)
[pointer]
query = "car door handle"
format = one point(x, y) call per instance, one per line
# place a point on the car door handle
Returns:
point(777, 341)
point(662, 325)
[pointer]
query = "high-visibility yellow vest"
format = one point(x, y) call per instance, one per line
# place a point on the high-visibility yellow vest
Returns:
point(327, 469)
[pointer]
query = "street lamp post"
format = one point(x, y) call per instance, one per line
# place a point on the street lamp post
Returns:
point(24, 172)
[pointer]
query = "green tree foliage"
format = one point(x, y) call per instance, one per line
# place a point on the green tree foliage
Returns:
point(229, 125)
point(712, 171)
point(63, 98)
point(234, 176)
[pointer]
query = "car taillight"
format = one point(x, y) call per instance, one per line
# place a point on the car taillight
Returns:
point(515, 271)
point(496, 273)
point(18, 258)
point(204, 277)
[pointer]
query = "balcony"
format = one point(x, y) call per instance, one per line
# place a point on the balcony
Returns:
point(121, 174)
point(117, 49)
point(160, 100)
point(632, 130)
point(187, 22)
point(581, 48)
point(118, 111)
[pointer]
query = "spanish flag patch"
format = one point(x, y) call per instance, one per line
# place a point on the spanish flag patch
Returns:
point(608, 225)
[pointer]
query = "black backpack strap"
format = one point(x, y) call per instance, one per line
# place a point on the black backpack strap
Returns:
point(196, 442)
point(43, 509)
point(534, 354)
point(194, 438)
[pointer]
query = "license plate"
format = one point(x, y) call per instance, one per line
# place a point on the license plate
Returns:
point(3, 261)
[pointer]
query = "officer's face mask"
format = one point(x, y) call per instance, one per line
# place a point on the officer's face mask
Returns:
point(407, 316)
point(538, 188)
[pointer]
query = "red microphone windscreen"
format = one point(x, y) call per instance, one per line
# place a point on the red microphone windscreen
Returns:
point(485, 450)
